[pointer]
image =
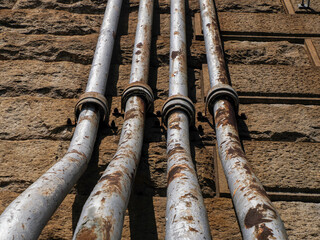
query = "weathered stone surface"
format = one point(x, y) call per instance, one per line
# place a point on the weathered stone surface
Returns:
point(273, 53)
point(262, 23)
point(275, 80)
point(250, 6)
point(35, 157)
point(28, 118)
point(77, 49)
point(37, 21)
point(35, 78)
point(280, 122)
point(290, 166)
point(6, 3)
point(68, 80)
point(80, 49)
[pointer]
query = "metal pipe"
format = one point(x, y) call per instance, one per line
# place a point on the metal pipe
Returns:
point(103, 214)
point(186, 216)
point(257, 217)
point(26, 216)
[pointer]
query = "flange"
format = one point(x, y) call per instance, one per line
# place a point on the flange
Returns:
point(95, 98)
point(178, 102)
point(139, 89)
point(222, 91)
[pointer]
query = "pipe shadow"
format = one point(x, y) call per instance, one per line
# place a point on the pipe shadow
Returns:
point(141, 209)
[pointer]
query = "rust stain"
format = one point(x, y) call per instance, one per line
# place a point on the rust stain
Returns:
point(234, 151)
point(189, 195)
point(258, 189)
point(264, 233)
point(108, 227)
point(79, 153)
point(225, 116)
point(176, 33)
point(138, 52)
point(97, 193)
point(114, 180)
point(188, 218)
point(139, 45)
point(132, 113)
point(255, 216)
point(86, 234)
point(208, 25)
point(174, 54)
point(175, 172)
point(177, 149)
point(193, 229)
point(248, 169)
point(175, 125)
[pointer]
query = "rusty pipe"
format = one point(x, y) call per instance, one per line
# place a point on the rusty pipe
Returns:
point(257, 217)
point(186, 216)
point(26, 216)
point(103, 213)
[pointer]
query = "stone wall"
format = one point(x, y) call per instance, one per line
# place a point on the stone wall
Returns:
point(46, 47)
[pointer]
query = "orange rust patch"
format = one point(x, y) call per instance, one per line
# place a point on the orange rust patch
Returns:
point(174, 54)
point(79, 153)
point(188, 218)
point(175, 172)
point(86, 234)
point(235, 151)
point(114, 181)
point(176, 149)
point(132, 113)
point(255, 216)
point(258, 189)
point(193, 229)
point(189, 195)
point(264, 233)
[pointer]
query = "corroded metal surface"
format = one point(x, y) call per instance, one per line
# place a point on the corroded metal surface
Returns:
point(215, 55)
point(178, 55)
point(186, 216)
point(26, 216)
point(102, 57)
point(103, 214)
point(141, 52)
point(256, 215)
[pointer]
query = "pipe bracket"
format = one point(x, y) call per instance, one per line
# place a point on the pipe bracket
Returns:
point(139, 89)
point(94, 98)
point(222, 91)
point(178, 102)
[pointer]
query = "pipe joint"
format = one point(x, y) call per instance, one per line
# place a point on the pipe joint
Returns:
point(94, 98)
point(178, 102)
point(222, 91)
point(139, 89)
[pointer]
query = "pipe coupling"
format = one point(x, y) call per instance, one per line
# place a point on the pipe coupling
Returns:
point(222, 91)
point(178, 102)
point(94, 98)
point(139, 89)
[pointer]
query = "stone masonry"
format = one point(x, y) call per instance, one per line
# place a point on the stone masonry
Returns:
point(272, 49)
